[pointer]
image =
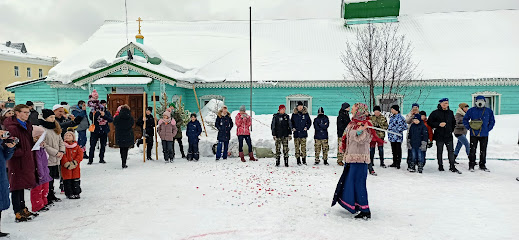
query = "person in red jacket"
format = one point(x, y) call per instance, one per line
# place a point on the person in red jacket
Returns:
point(243, 123)
point(70, 170)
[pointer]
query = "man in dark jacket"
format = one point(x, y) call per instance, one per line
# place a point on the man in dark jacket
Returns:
point(79, 110)
point(100, 120)
point(321, 124)
point(301, 122)
point(282, 133)
point(65, 122)
point(486, 115)
point(443, 122)
point(33, 117)
point(342, 122)
point(150, 131)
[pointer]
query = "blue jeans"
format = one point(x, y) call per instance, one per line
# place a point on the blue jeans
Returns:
point(247, 140)
point(417, 156)
point(82, 138)
point(225, 146)
point(462, 141)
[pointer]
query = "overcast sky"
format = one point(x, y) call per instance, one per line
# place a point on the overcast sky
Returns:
point(57, 27)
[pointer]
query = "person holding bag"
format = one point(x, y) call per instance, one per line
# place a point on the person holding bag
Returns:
point(479, 121)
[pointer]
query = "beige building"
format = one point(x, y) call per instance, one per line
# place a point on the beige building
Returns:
point(17, 65)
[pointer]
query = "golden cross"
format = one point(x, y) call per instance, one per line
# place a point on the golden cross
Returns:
point(139, 20)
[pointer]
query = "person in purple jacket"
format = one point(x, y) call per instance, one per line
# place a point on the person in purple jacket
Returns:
point(39, 193)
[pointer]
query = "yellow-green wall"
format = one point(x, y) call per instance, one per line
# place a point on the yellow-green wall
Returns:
point(7, 74)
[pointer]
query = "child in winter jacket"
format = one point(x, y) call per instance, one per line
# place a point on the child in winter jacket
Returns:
point(167, 130)
point(70, 170)
point(321, 124)
point(39, 194)
point(417, 138)
point(301, 123)
point(243, 123)
point(430, 131)
point(94, 103)
point(282, 133)
point(193, 131)
point(397, 125)
point(224, 125)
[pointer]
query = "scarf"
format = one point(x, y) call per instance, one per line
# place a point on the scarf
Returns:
point(360, 118)
point(165, 121)
point(72, 144)
point(460, 111)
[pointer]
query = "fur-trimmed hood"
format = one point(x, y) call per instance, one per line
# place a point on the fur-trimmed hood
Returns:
point(305, 110)
point(220, 113)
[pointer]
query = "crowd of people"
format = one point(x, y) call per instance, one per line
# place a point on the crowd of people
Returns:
point(37, 151)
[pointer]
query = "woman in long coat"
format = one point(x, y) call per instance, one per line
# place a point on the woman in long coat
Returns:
point(22, 166)
point(351, 192)
point(6, 152)
point(124, 132)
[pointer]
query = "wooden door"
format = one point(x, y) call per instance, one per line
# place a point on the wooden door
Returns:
point(135, 103)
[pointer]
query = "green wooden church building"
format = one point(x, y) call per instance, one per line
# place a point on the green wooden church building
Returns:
point(460, 55)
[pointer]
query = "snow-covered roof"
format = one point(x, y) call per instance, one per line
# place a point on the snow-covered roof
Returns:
point(122, 81)
point(459, 45)
point(14, 52)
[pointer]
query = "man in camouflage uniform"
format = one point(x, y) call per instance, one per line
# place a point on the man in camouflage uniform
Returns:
point(378, 121)
point(301, 123)
point(321, 124)
point(281, 131)
point(179, 122)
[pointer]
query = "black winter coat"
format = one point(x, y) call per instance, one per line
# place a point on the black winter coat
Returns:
point(281, 125)
point(442, 134)
point(300, 121)
point(65, 123)
point(417, 134)
point(321, 124)
point(101, 129)
point(224, 125)
point(194, 129)
point(150, 125)
point(124, 128)
point(33, 118)
point(342, 122)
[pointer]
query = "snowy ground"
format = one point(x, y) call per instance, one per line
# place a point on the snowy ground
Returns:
point(255, 200)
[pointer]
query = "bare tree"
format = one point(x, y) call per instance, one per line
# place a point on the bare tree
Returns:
point(379, 57)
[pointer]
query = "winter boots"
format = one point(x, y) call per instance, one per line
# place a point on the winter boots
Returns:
point(482, 167)
point(20, 217)
point(278, 161)
point(190, 156)
point(326, 162)
point(242, 156)
point(299, 161)
point(440, 168)
point(411, 168)
point(251, 157)
point(454, 170)
point(420, 167)
point(286, 161)
point(363, 215)
point(304, 160)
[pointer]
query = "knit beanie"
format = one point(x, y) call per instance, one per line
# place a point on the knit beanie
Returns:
point(396, 107)
point(463, 105)
point(423, 113)
point(415, 105)
point(95, 94)
point(242, 108)
point(37, 131)
point(5, 111)
point(47, 113)
point(377, 108)
point(417, 116)
point(320, 110)
point(167, 113)
point(299, 103)
point(281, 107)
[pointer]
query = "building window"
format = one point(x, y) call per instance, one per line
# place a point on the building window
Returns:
point(175, 99)
point(38, 106)
point(205, 99)
point(28, 72)
point(387, 100)
point(16, 72)
point(40, 73)
point(293, 99)
point(493, 100)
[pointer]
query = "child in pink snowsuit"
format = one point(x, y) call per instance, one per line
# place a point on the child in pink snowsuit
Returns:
point(40, 192)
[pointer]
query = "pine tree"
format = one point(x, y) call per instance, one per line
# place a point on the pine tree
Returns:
point(185, 114)
point(163, 105)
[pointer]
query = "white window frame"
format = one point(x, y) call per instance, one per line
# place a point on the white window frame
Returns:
point(175, 98)
point(398, 97)
point(299, 97)
point(40, 73)
point(204, 98)
point(496, 97)
point(29, 72)
point(16, 71)
point(38, 106)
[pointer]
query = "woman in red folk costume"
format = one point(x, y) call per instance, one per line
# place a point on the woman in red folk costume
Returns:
point(351, 192)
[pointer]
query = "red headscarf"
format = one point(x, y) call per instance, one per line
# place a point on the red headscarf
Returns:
point(360, 118)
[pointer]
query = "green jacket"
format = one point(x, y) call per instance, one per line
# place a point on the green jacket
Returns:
point(178, 120)
point(380, 122)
